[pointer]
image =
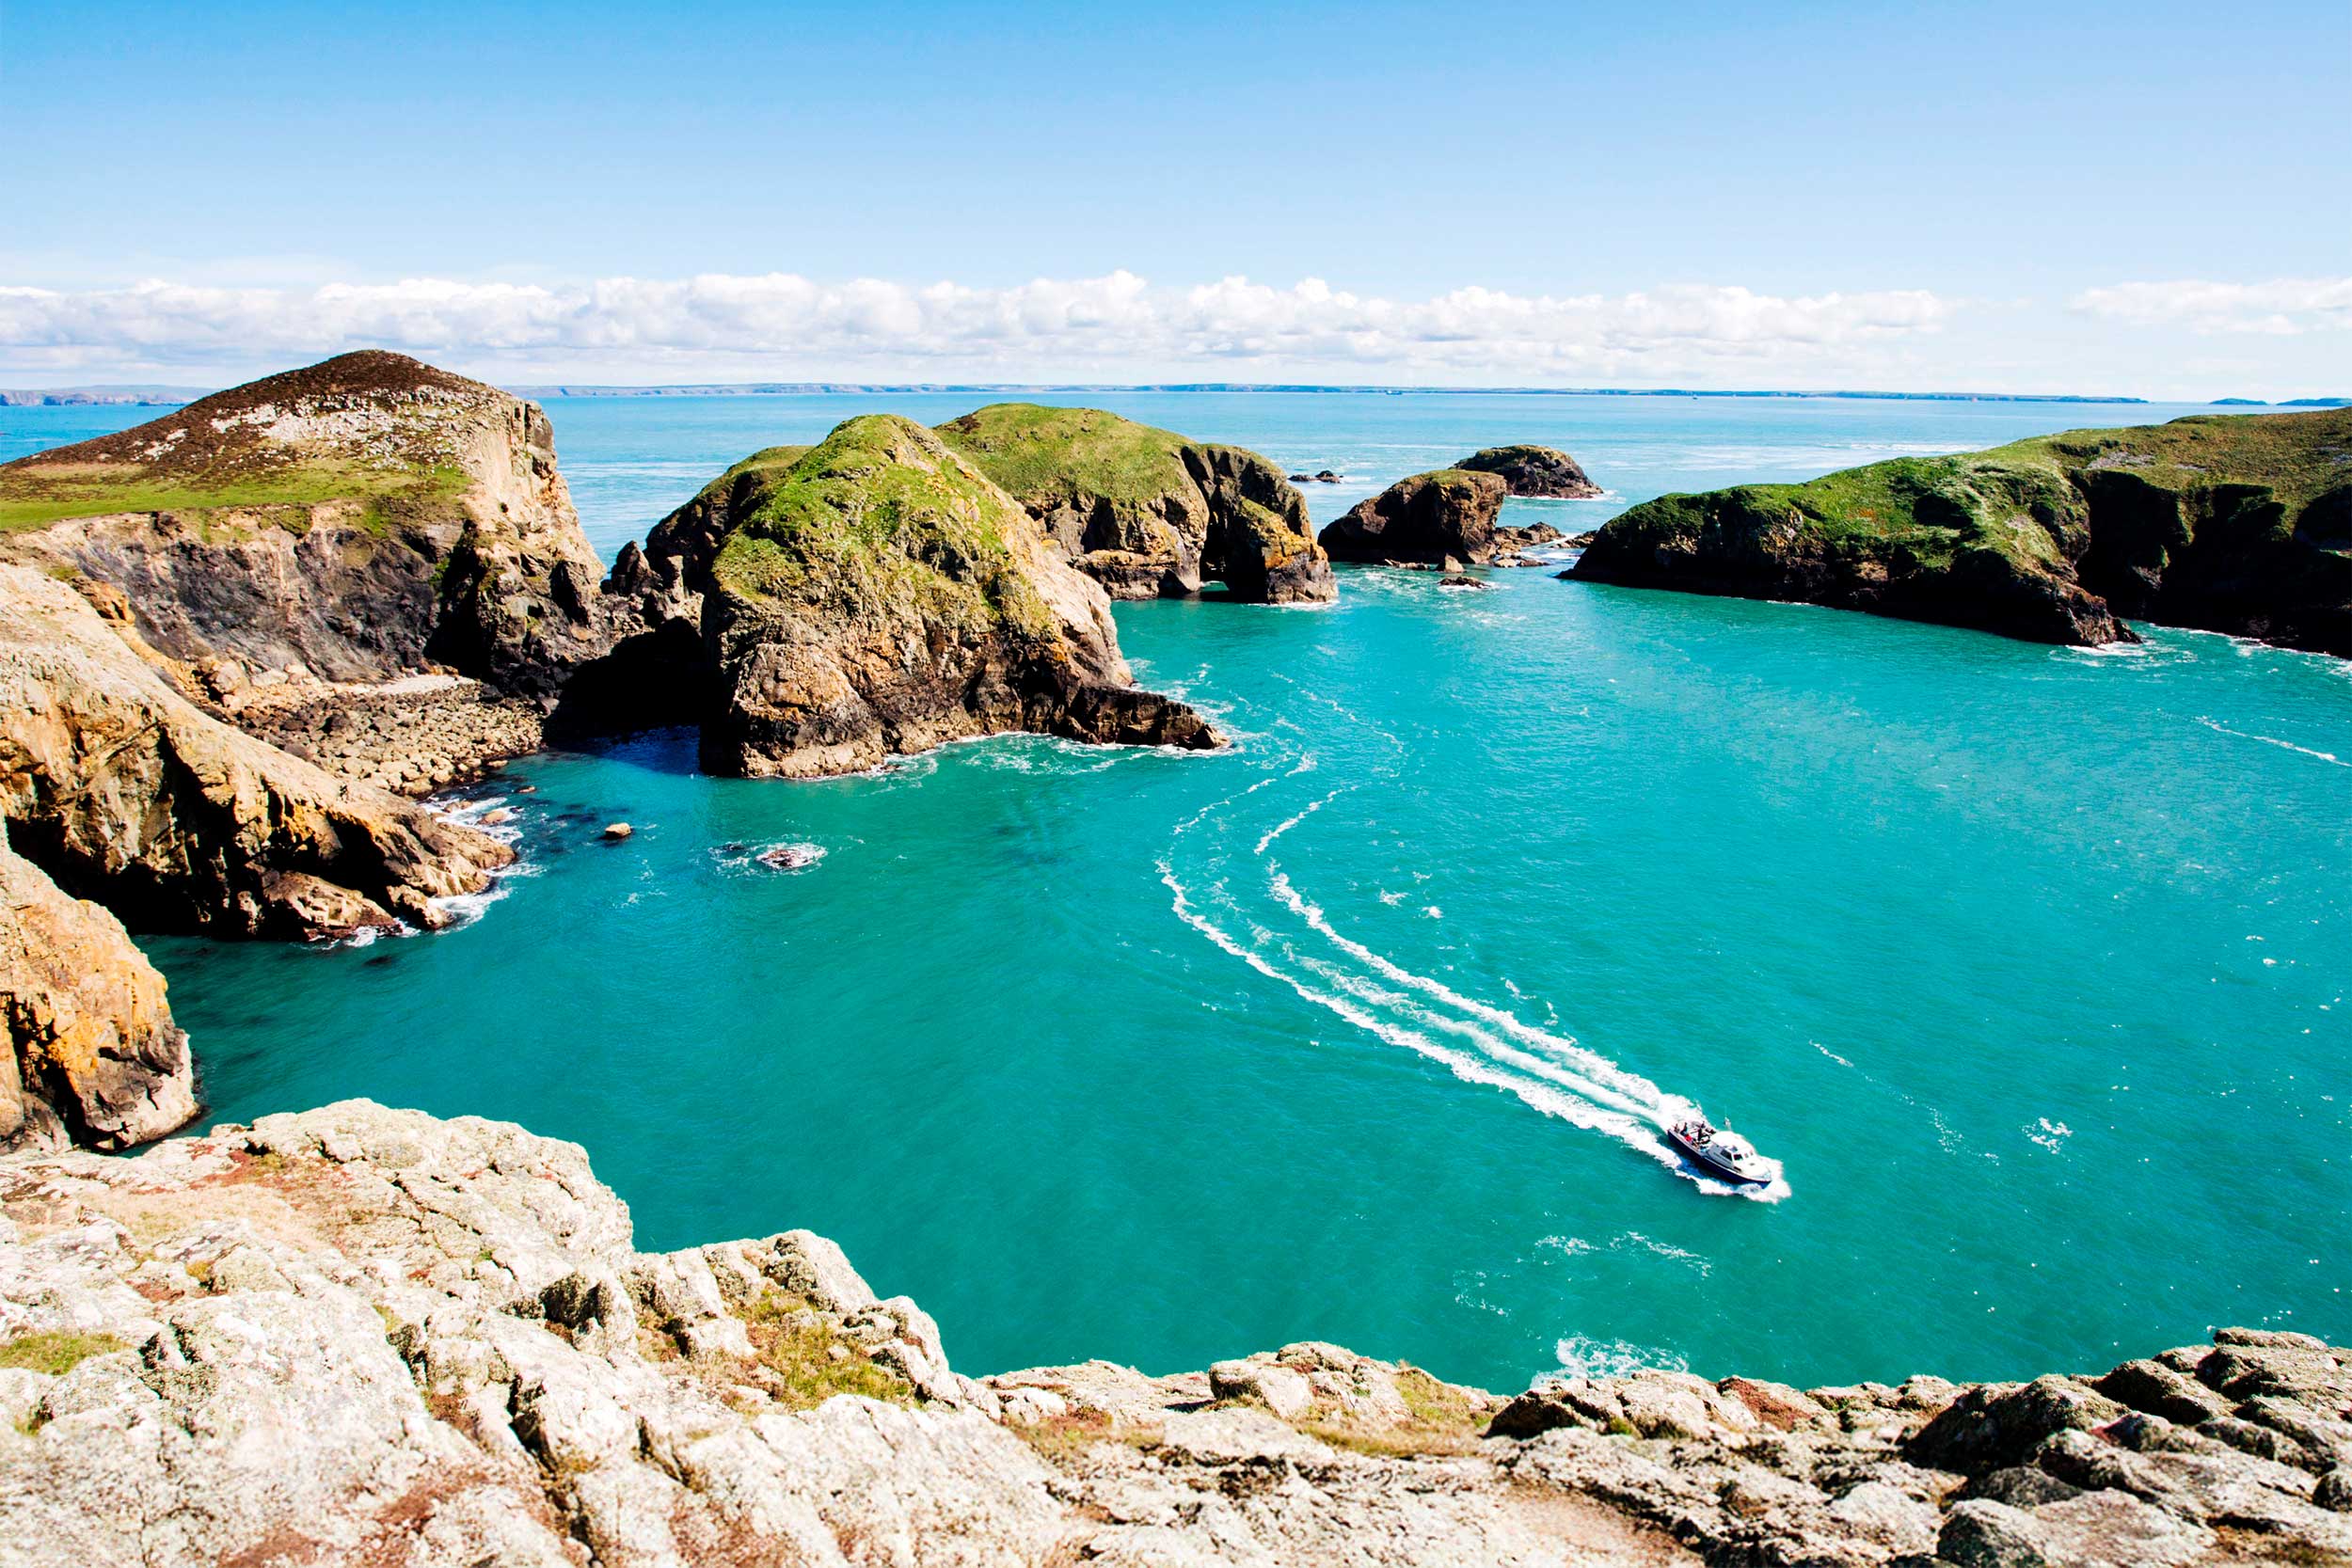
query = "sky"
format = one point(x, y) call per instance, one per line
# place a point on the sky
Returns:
point(2149, 200)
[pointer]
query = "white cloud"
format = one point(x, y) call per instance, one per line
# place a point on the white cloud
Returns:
point(2284, 307)
point(785, 327)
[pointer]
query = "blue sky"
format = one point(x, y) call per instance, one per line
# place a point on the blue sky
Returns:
point(2148, 198)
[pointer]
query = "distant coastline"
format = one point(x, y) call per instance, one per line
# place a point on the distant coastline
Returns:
point(172, 397)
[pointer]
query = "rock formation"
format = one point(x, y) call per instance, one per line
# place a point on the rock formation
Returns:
point(92, 1054)
point(1424, 519)
point(125, 791)
point(363, 1336)
point(871, 595)
point(1146, 512)
point(1534, 471)
point(2241, 524)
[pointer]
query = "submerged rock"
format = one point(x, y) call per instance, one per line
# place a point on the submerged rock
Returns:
point(1543, 471)
point(1432, 517)
point(2239, 524)
point(1147, 513)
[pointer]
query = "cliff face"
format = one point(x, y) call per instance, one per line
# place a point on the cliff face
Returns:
point(355, 519)
point(871, 595)
point(124, 790)
point(2237, 524)
point(365, 1336)
point(1145, 512)
point(93, 1057)
point(1424, 521)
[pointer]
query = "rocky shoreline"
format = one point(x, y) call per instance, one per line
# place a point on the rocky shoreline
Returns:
point(368, 1335)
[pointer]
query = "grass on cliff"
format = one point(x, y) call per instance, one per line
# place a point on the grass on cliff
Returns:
point(881, 512)
point(808, 1363)
point(1043, 454)
point(55, 1352)
point(34, 495)
point(1933, 508)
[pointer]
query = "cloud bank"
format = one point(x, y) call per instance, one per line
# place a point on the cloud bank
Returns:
point(780, 325)
point(2286, 307)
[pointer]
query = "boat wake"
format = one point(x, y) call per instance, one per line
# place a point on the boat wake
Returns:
point(1225, 882)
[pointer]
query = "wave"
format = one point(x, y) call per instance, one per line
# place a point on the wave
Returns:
point(2271, 741)
point(1471, 1038)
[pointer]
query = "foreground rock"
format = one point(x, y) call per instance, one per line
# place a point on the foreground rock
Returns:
point(92, 1055)
point(356, 519)
point(126, 792)
point(1147, 512)
point(361, 1336)
point(1541, 471)
point(876, 594)
point(2240, 524)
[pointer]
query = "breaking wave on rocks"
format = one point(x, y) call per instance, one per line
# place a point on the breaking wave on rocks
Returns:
point(1233, 892)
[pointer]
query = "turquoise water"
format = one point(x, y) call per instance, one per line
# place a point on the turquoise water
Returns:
point(2029, 965)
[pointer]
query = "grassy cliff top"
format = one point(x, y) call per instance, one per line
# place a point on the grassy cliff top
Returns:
point(2010, 497)
point(882, 514)
point(1039, 454)
point(286, 440)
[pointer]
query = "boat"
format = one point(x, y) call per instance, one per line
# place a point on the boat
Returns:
point(1718, 1152)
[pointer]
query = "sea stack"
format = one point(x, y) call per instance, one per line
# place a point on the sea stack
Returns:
point(1534, 471)
point(1423, 520)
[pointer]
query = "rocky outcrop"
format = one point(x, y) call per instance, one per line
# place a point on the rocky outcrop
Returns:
point(2240, 524)
point(125, 791)
point(1147, 513)
point(1534, 471)
point(366, 1335)
point(1425, 519)
point(356, 519)
point(92, 1057)
point(877, 594)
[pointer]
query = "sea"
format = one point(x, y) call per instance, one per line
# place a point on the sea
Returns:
point(2031, 968)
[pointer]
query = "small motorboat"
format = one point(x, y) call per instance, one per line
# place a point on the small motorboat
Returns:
point(1719, 1153)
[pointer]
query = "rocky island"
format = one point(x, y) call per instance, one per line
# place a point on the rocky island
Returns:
point(1145, 512)
point(364, 1336)
point(1538, 472)
point(1448, 515)
point(2230, 523)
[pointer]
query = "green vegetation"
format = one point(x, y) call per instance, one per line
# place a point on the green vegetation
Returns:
point(881, 512)
point(2023, 500)
point(34, 495)
point(809, 1362)
point(1043, 456)
point(56, 1352)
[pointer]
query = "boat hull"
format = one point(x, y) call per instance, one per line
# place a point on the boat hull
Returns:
point(1708, 1164)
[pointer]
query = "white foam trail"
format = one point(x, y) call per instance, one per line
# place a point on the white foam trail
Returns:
point(2272, 740)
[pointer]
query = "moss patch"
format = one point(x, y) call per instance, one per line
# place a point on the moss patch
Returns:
point(55, 1352)
point(809, 1363)
point(1041, 455)
point(34, 495)
point(881, 512)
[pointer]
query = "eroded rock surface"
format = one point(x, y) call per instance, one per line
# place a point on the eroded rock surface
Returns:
point(362, 1336)
point(1531, 471)
point(125, 791)
point(1448, 515)
point(92, 1054)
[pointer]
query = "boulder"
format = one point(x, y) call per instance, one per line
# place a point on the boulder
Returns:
point(1444, 517)
point(1534, 471)
point(1995, 1425)
point(1279, 1389)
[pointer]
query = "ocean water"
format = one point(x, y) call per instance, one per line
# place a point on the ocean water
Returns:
point(2032, 967)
